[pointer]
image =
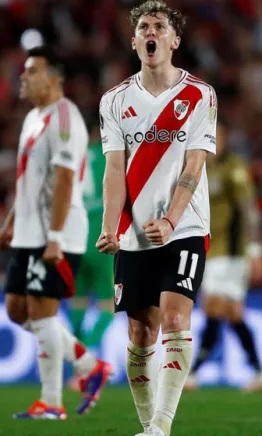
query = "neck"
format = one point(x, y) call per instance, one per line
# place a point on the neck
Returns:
point(159, 79)
point(41, 104)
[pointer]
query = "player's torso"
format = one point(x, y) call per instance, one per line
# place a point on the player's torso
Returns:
point(155, 123)
point(156, 134)
point(41, 139)
point(226, 224)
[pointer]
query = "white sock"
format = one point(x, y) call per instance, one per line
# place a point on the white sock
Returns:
point(73, 351)
point(84, 362)
point(142, 372)
point(50, 359)
point(177, 359)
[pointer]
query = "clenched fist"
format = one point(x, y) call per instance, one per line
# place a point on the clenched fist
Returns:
point(157, 231)
point(108, 243)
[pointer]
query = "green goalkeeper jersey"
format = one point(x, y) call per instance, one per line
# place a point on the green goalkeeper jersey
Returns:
point(93, 190)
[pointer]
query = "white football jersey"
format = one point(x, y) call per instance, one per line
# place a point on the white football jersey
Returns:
point(56, 136)
point(155, 133)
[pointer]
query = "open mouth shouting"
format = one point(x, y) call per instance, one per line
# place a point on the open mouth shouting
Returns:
point(151, 48)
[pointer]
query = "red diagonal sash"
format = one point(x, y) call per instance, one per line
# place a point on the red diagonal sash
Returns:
point(149, 155)
point(22, 164)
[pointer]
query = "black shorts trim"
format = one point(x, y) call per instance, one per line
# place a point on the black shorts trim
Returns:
point(141, 276)
point(27, 274)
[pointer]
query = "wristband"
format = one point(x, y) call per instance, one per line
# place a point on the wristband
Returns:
point(170, 222)
point(54, 236)
point(254, 249)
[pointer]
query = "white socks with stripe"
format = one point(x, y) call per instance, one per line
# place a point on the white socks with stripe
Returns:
point(177, 359)
point(50, 359)
point(73, 351)
point(142, 372)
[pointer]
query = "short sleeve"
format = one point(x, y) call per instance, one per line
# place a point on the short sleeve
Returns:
point(202, 131)
point(111, 133)
point(68, 137)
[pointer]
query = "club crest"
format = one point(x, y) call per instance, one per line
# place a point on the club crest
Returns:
point(181, 108)
point(118, 293)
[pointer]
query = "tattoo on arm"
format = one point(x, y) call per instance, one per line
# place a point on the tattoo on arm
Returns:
point(188, 181)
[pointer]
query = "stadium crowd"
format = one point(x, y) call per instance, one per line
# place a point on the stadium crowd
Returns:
point(222, 45)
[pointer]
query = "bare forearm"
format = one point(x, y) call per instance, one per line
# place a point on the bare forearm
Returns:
point(114, 195)
point(61, 202)
point(183, 194)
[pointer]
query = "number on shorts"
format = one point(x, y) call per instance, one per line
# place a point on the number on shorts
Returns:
point(183, 262)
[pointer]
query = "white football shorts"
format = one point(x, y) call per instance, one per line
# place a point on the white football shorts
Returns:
point(226, 277)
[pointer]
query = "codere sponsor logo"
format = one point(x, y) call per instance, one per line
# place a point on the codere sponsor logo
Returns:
point(153, 134)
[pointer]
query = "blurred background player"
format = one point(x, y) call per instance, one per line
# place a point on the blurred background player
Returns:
point(95, 276)
point(48, 229)
point(234, 256)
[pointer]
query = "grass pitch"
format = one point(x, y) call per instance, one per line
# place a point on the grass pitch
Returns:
point(208, 412)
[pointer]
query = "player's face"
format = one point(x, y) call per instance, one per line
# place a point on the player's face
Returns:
point(155, 39)
point(36, 80)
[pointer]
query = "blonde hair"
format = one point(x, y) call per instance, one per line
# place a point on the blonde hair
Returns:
point(154, 7)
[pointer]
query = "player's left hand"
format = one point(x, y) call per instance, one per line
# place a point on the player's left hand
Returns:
point(157, 231)
point(52, 253)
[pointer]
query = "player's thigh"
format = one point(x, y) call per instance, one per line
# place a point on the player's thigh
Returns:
point(15, 286)
point(48, 281)
point(182, 265)
point(143, 326)
point(136, 280)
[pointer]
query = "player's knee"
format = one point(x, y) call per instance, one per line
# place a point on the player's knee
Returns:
point(16, 311)
point(143, 336)
point(174, 321)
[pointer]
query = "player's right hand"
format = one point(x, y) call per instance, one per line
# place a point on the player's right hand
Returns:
point(108, 243)
point(6, 235)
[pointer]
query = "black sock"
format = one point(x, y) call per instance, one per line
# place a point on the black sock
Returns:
point(247, 341)
point(209, 338)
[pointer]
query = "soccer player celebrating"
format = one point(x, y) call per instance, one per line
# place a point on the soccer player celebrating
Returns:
point(157, 128)
point(234, 220)
point(48, 228)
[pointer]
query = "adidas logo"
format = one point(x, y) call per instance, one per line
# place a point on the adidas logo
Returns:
point(140, 379)
point(35, 285)
point(43, 355)
point(186, 284)
point(129, 113)
point(173, 365)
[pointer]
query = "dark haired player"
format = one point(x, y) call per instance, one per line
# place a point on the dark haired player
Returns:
point(48, 228)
